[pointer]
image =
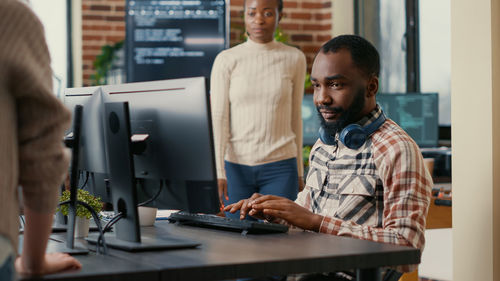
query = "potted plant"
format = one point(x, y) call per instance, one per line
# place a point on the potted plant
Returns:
point(83, 215)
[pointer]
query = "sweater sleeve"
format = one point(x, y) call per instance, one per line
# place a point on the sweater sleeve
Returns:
point(219, 99)
point(41, 117)
point(298, 94)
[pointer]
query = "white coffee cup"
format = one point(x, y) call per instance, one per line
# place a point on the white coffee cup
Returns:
point(147, 215)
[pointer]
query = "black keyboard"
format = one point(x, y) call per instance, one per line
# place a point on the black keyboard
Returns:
point(213, 221)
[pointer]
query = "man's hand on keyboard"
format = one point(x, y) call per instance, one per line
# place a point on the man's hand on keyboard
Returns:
point(244, 207)
point(271, 207)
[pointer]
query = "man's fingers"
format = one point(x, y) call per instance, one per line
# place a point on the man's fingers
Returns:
point(274, 203)
point(233, 207)
point(244, 209)
point(264, 198)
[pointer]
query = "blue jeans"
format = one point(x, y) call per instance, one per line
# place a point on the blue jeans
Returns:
point(276, 178)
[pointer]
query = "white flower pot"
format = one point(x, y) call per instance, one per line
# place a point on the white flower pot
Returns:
point(81, 227)
point(147, 215)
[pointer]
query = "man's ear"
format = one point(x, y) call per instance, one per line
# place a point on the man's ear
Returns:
point(372, 87)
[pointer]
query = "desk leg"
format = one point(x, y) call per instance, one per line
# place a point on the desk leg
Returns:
point(368, 274)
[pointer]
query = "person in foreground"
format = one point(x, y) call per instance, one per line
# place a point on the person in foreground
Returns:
point(262, 79)
point(375, 190)
point(31, 151)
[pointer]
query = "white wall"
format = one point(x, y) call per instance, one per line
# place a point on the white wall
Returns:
point(76, 15)
point(342, 17)
point(53, 18)
point(475, 112)
point(435, 57)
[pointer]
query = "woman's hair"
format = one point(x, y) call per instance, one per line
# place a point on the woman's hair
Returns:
point(363, 53)
point(280, 5)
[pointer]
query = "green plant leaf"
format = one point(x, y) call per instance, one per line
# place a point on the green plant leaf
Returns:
point(306, 150)
point(103, 62)
point(81, 211)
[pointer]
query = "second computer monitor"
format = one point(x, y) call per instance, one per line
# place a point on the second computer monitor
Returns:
point(416, 113)
point(310, 120)
point(93, 162)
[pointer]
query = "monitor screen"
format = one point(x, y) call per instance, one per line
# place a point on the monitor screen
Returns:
point(310, 120)
point(175, 116)
point(416, 113)
point(174, 39)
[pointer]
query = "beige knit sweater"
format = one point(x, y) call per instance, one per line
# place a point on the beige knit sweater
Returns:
point(256, 97)
point(32, 120)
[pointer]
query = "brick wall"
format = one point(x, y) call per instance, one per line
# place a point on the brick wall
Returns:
point(307, 23)
point(103, 23)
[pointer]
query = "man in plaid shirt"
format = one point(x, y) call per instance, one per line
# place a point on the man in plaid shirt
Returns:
point(379, 191)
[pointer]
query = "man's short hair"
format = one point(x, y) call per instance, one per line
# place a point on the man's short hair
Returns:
point(363, 53)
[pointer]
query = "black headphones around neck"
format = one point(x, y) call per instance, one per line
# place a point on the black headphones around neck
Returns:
point(353, 136)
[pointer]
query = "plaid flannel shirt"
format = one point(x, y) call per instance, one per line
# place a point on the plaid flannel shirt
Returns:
point(379, 192)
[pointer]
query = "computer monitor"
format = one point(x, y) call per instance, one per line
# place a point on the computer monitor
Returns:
point(92, 155)
point(416, 113)
point(310, 120)
point(175, 114)
point(175, 117)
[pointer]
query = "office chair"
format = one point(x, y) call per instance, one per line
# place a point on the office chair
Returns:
point(392, 275)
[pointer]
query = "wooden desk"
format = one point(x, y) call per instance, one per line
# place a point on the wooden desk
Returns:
point(439, 216)
point(100, 267)
point(227, 255)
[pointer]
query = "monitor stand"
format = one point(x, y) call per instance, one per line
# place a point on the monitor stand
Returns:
point(69, 246)
point(127, 234)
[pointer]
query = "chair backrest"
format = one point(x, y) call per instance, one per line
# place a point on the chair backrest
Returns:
point(392, 275)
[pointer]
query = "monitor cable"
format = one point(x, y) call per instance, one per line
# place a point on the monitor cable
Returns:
point(97, 221)
point(152, 198)
point(21, 217)
point(86, 180)
point(107, 227)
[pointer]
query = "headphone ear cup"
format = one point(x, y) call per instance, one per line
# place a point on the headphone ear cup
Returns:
point(325, 137)
point(353, 136)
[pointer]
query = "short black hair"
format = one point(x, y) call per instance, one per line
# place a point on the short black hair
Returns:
point(280, 5)
point(364, 55)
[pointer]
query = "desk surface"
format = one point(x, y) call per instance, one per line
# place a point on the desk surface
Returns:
point(224, 255)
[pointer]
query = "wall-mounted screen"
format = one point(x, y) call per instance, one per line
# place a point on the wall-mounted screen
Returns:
point(174, 39)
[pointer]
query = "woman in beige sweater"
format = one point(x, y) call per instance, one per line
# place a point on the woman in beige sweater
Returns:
point(256, 96)
point(32, 156)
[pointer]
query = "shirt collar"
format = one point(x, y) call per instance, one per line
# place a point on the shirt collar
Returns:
point(262, 46)
point(370, 117)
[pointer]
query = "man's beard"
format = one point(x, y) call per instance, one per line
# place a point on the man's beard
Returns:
point(348, 116)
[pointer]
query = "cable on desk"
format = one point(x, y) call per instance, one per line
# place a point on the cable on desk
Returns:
point(97, 221)
point(107, 227)
point(152, 198)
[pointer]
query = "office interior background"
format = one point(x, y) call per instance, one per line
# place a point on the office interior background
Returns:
point(445, 47)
